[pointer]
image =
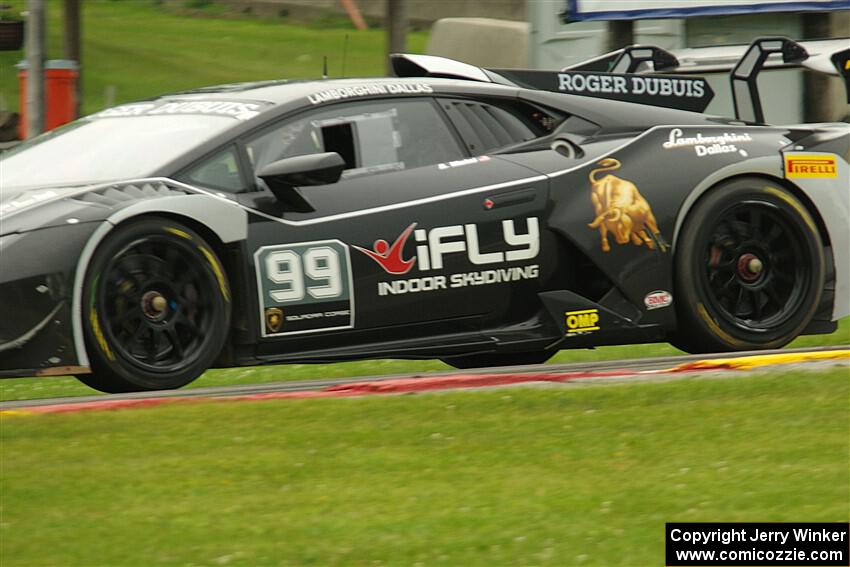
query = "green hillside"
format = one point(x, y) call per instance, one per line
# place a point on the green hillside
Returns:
point(139, 48)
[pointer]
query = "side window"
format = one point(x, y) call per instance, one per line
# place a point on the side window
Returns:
point(486, 127)
point(218, 172)
point(369, 142)
point(372, 137)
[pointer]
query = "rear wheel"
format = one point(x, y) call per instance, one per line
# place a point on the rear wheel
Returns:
point(749, 269)
point(499, 359)
point(156, 306)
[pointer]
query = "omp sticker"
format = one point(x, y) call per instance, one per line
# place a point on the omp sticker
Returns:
point(584, 321)
point(810, 166)
point(658, 299)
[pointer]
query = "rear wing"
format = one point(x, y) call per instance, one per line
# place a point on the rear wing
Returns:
point(654, 76)
point(683, 92)
point(744, 63)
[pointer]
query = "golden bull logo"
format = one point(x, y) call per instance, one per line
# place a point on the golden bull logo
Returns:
point(584, 321)
point(622, 210)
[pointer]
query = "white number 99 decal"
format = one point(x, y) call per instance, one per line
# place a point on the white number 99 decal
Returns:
point(323, 264)
point(284, 268)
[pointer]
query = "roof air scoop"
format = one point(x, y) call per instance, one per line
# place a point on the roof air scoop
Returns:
point(410, 65)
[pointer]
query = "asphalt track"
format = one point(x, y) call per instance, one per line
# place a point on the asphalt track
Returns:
point(614, 370)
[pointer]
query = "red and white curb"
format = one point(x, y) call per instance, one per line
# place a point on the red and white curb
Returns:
point(449, 382)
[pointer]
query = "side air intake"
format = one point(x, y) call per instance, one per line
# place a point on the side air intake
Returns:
point(118, 193)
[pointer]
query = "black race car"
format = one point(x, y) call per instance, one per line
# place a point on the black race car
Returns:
point(480, 217)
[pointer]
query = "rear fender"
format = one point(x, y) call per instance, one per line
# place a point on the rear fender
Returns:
point(826, 200)
point(768, 166)
point(654, 180)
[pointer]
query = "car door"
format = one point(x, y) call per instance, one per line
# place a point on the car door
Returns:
point(416, 238)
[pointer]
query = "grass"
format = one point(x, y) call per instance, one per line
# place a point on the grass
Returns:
point(557, 476)
point(34, 388)
point(141, 49)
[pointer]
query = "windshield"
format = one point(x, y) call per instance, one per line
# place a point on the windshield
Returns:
point(106, 149)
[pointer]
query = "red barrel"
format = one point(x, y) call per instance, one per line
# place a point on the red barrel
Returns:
point(60, 93)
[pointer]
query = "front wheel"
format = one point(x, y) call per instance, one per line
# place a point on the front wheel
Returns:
point(156, 308)
point(749, 269)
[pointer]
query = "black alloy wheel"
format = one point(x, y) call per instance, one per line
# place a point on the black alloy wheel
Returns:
point(156, 308)
point(749, 269)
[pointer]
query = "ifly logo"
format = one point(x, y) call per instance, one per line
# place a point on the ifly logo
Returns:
point(435, 243)
point(390, 257)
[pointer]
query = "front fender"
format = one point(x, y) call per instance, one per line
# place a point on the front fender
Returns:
point(225, 218)
point(36, 290)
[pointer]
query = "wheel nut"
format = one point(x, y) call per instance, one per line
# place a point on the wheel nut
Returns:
point(750, 267)
point(154, 305)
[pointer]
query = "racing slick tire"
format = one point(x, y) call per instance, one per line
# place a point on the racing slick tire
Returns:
point(499, 359)
point(750, 269)
point(156, 307)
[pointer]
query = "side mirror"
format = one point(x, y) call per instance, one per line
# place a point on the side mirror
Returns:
point(284, 176)
point(299, 171)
